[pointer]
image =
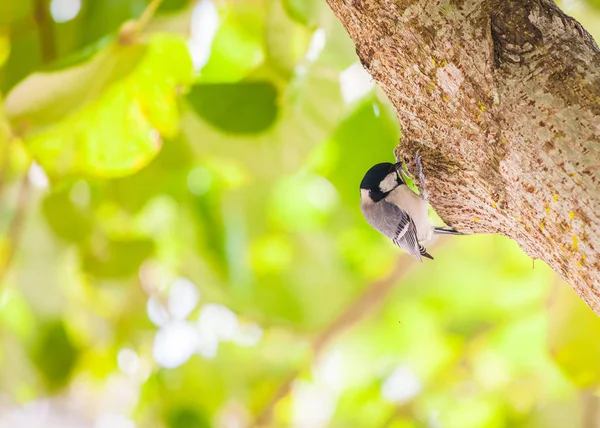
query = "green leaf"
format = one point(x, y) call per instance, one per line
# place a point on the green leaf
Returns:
point(4, 49)
point(54, 355)
point(573, 333)
point(16, 314)
point(173, 5)
point(185, 417)
point(99, 18)
point(11, 10)
point(114, 119)
point(303, 202)
point(46, 97)
point(167, 173)
point(67, 220)
point(76, 57)
point(286, 41)
point(238, 45)
point(309, 108)
point(237, 108)
point(593, 3)
point(118, 258)
point(371, 121)
point(305, 12)
point(25, 56)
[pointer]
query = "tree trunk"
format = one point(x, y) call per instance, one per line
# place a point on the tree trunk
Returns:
point(502, 99)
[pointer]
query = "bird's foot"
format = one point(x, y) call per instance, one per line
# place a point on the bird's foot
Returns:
point(421, 175)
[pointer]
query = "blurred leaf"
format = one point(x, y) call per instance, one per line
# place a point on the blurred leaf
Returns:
point(186, 417)
point(173, 5)
point(25, 56)
point(303, 202)
point(403, 423)
point(16, 314)
point(305, 12)
point(167, 173)
point(310, 107)
point(66, 219)
point(345, 161)
point(87, 142)
point(572, 325)
point(238, 45)
point(271, 254)
point(4, 48)
point(587, 12)
point(99, 362)
point(100, 18)
point(118, 258)
point(237, 108)
point(203, 377)
point(54, 355)
point(11, 10)
point(211, 230)
point(78, 57)
point(286, 41)
point(338, 53)
point(255, 201)
point(593, 3)
point(46, 97)
point(474, 412)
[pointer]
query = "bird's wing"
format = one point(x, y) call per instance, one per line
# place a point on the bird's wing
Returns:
point(398, 226)
point(406, 234)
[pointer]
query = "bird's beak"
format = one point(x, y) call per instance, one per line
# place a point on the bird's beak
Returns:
point(398, 167)
point(399, 170)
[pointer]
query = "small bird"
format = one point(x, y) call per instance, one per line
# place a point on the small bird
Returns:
point(393, 209)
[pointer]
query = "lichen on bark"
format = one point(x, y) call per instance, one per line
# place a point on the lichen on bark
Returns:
point(502, 100)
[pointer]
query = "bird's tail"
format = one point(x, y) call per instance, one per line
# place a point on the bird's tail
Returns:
point(424, 252)
point(446, 231)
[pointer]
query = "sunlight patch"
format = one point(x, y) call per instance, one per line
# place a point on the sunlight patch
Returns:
point(203, 27)
point(401, 386)
point(64, 10)
point(355, 83)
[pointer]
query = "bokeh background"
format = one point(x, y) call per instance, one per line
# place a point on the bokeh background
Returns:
point(181, 244)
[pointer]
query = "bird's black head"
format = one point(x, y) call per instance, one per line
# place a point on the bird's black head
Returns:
point(381, 179)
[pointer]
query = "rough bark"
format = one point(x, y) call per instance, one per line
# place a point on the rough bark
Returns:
point(502, 99)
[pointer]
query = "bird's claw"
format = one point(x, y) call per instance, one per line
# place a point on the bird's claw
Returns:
point(421, 175)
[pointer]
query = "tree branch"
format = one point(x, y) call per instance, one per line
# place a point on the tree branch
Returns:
point(6, 142)
point(589, 409)
point(45, 31)
point(15, 228)
point(502, 99)
point(131, 30)
point(365, 304)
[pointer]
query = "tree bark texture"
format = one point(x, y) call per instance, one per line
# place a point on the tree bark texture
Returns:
point(502, 100)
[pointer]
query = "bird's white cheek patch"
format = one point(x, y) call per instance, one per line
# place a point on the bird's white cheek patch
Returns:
point(389, 183)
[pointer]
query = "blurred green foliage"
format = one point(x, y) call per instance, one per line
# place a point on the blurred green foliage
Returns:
point(181, 244)
point(253, 103)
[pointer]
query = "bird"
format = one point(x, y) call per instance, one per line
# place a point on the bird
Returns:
point(393, 209)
